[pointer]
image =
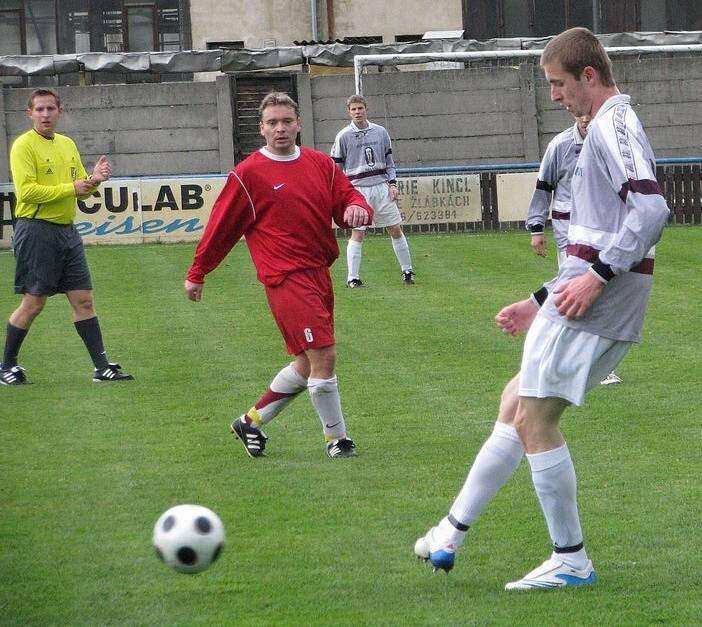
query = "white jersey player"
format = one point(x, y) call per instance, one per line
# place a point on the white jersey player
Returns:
point(364, 151)
point(580, 325)
point(553, 189)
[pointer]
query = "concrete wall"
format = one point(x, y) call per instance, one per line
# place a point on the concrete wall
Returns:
point(441, 117)
point(665, 93)
point(286, 21)
point(504, 114)
point(146, 129)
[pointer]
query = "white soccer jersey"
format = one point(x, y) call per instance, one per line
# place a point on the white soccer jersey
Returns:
point(618, 214)
point(553, 184)
point(364, 154)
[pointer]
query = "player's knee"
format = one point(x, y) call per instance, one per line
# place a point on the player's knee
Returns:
point(83, 305)
point(31, 308)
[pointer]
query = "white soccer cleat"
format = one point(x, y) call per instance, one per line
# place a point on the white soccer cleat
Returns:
point(553, 573)
point(441, 554)
point(610, 379)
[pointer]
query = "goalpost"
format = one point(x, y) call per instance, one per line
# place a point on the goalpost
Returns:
point(409, 58)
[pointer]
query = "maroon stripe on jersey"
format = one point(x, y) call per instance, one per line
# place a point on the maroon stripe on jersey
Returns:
point(365, 175)
point(644, 186)
point(560, 215)
point(547, 187)
point(588, 253)
point(644, 267)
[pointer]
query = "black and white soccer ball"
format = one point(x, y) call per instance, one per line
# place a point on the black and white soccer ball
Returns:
point(188, 538)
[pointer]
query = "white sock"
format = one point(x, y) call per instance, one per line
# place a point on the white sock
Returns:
point(554, 480)
point(286, 385)
point(493, 465)
point(325, 398)
point(353, 259)
point(402, 252)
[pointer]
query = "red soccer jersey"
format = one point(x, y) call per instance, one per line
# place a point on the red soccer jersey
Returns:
point(284, 207)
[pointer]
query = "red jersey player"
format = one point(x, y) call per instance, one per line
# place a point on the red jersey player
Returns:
point(283, 199)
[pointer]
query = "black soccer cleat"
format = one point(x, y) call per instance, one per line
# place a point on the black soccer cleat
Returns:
point(343, 447)
point(113, 372)
point(354, 283)
point(407, 277)
point(253, 439)
point(13, 376)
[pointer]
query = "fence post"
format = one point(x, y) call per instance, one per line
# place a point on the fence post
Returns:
point(4, 148)
point(530, 126)
point(225, 122)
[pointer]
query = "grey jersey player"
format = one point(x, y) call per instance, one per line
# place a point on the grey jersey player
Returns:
point(553, 189)
point(364, 151)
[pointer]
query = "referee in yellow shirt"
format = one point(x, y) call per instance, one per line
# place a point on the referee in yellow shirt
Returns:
point(48, 176)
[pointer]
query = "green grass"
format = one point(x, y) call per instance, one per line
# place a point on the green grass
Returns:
point(87, 469)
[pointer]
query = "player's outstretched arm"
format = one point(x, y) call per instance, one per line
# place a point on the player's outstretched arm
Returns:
point(517, 317)
point(193, 290)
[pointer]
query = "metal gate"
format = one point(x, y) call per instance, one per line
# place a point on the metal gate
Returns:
point(247, 92)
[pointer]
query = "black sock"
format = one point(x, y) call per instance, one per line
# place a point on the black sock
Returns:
point(13, 341)
point(89, 331)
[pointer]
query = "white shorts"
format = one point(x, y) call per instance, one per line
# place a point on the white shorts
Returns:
point(385, 209)
point(562, 362)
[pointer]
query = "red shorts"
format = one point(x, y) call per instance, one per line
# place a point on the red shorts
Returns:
point(303, 308)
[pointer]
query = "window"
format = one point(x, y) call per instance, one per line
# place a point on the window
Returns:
point(40, 26)
point(11, 30)
point(684, 15)
point(140, 27)
point(74, 28)
point(516, 19)
point(538, 18)
point(407, 38)
point(11, 39)
point(225, 45)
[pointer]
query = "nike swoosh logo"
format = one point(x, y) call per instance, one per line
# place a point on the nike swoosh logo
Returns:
point(332, 426)
point(277, 187)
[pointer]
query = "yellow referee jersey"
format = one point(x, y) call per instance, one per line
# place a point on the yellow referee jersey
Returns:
point(43, 171)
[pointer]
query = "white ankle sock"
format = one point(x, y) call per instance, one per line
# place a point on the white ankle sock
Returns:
point(554, 480)
point(353, 259)
point(402, 252)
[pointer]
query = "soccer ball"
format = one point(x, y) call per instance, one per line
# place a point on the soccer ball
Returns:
point(188, 538)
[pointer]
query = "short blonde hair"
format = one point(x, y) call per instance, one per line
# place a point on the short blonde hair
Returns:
point(42, 91)
point(356, 99)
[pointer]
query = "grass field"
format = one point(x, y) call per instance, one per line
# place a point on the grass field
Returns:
point(87, 469)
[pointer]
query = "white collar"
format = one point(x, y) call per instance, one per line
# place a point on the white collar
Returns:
point(273, 157)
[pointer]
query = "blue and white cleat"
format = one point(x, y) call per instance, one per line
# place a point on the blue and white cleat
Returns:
point(554, 574)
point(441, 554)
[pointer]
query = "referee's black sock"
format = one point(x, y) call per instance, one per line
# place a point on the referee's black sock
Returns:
point(89, 331)
point(13, 341)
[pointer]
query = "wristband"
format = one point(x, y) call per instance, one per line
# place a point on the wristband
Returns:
point(602, 270)
point(540, 296)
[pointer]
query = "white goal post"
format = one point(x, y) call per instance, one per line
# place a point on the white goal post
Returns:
point(362, 60)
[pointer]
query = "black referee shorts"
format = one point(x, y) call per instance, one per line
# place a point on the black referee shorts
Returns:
point(49, 258)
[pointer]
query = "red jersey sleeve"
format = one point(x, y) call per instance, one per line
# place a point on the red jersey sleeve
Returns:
point(345, 194)
point(232, 215)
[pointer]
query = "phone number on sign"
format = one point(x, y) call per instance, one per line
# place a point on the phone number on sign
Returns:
point(429, 216)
